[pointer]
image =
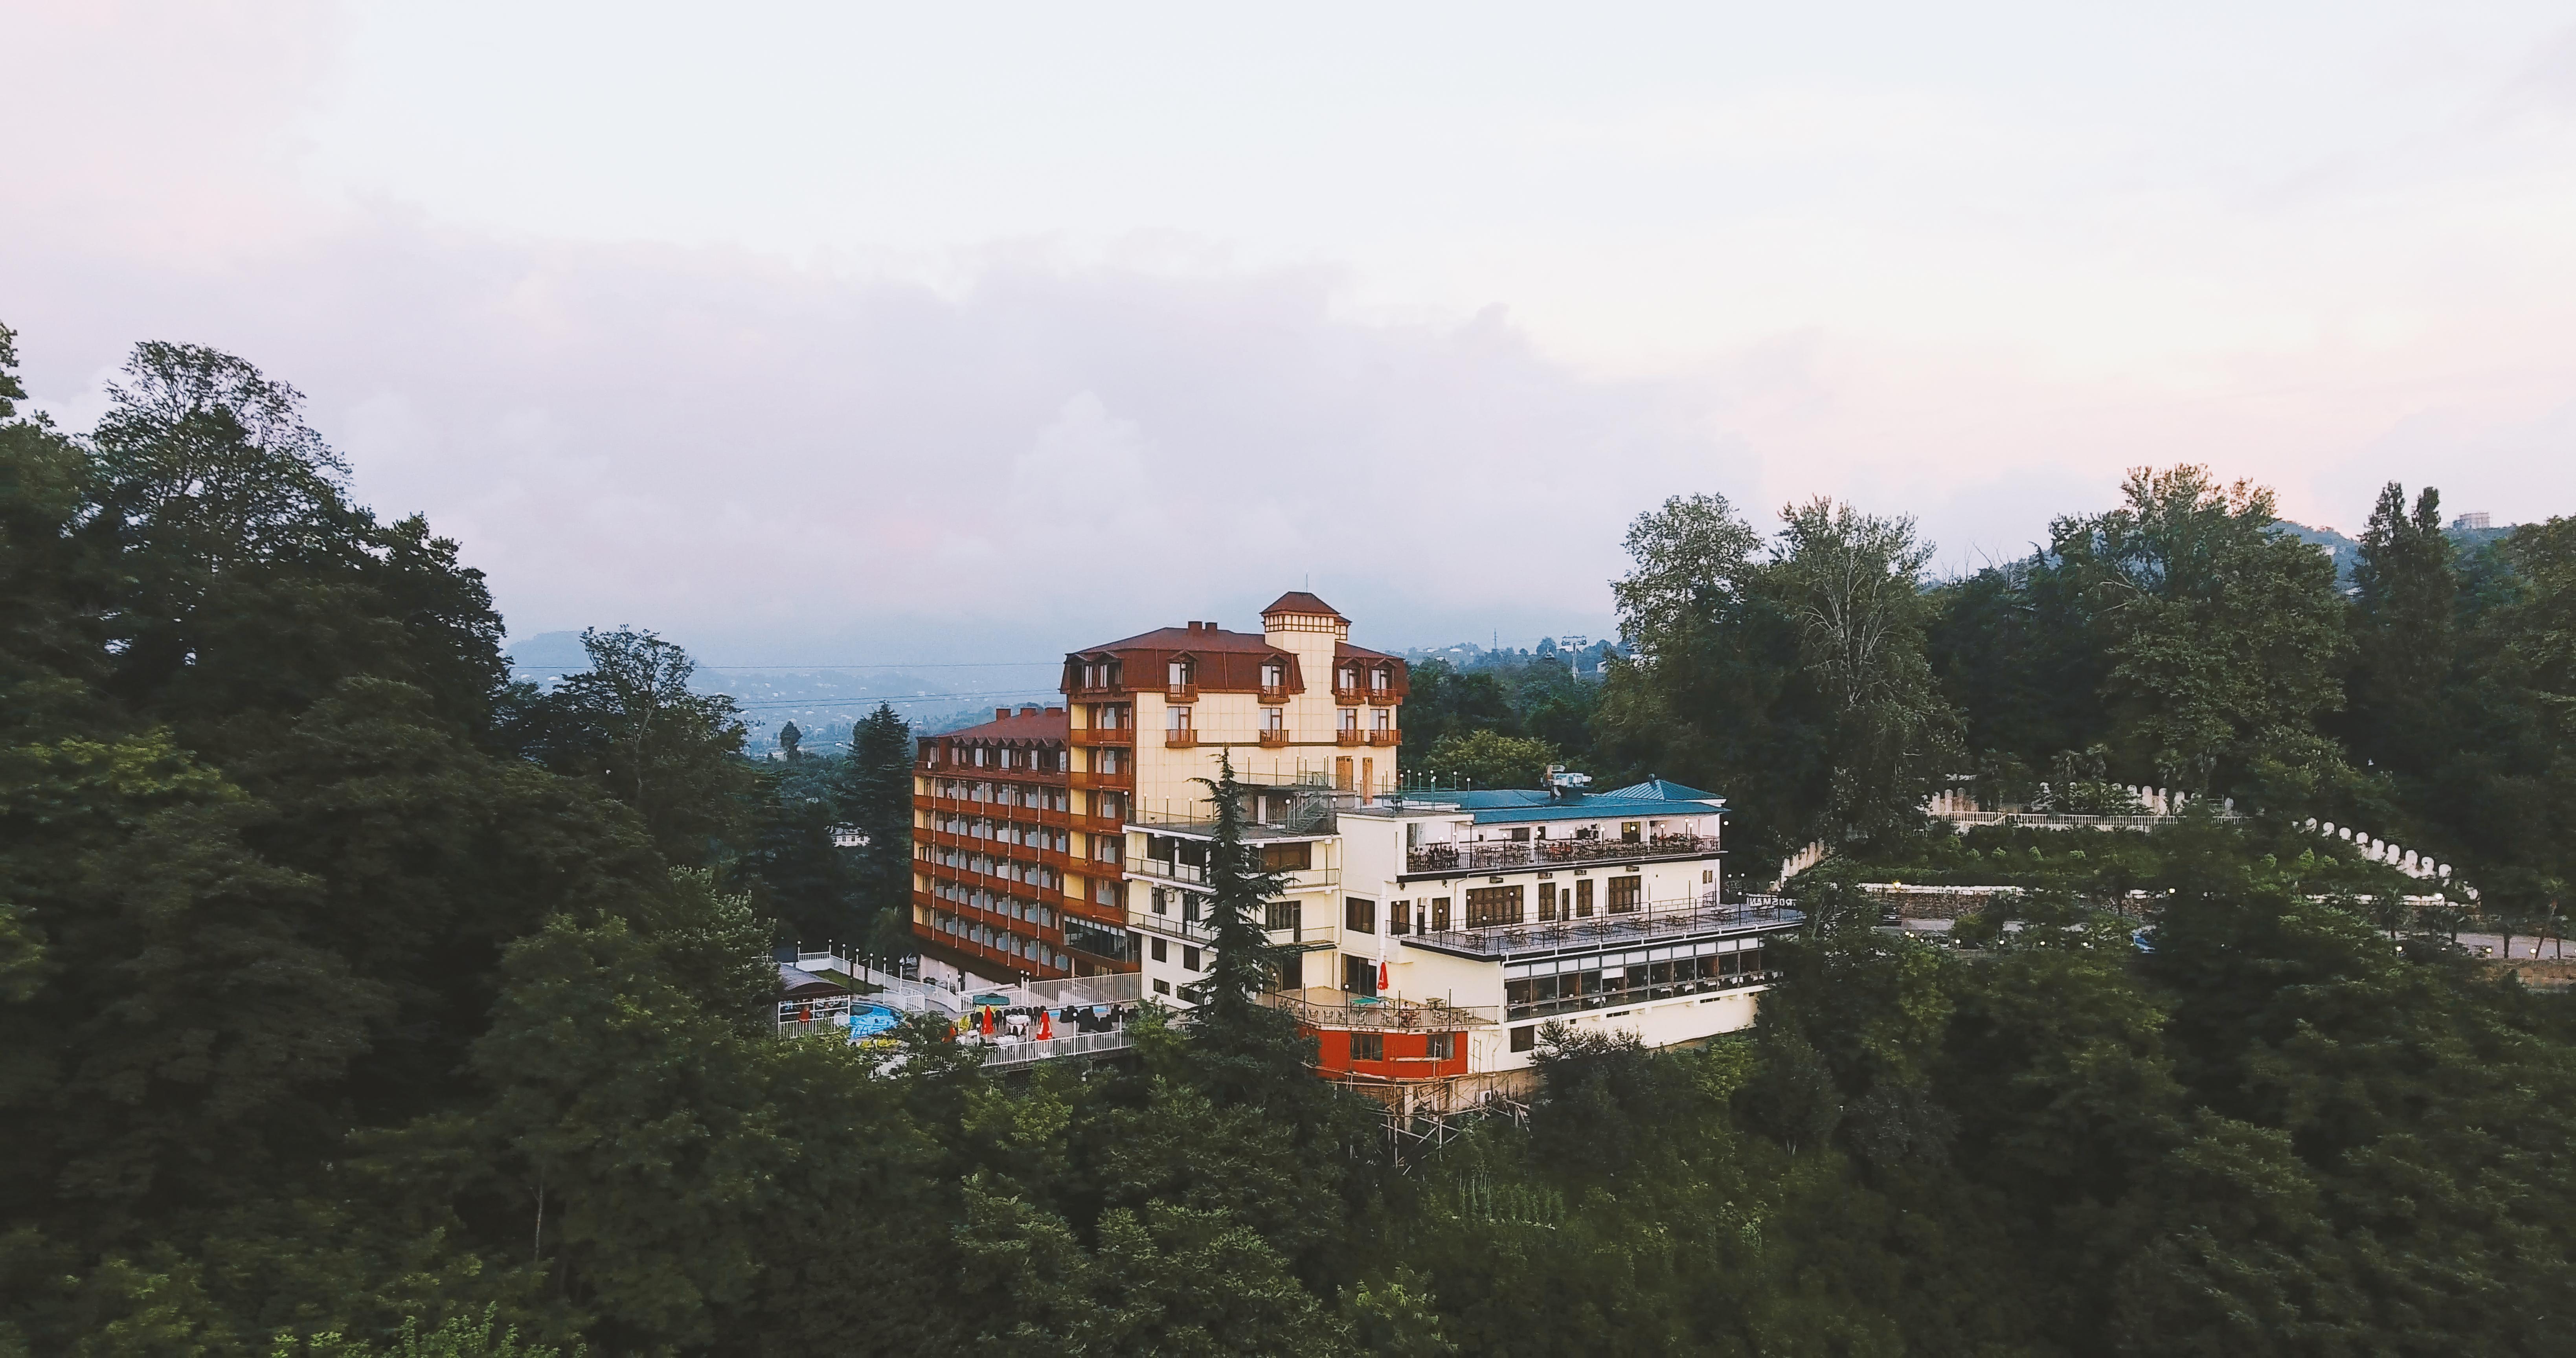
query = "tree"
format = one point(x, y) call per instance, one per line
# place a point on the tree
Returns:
point(2405, 608)
point(2225, 639)
point(1485, 759)
point(789, 738)
point(1852, 585)
point(631, 725)
point(874, 788)
point(1713, 693)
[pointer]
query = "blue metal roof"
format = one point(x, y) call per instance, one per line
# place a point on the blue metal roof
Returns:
point(1659, 790)
point(1593, 808)
point(1491, 806)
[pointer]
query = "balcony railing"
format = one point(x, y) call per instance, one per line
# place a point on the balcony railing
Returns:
point(1542, 853)
point(1350, 697)
point(1290, 879)
point(1180, 693)
point(1272, 697)
point(1386, 735)
point(1660, 921)
point(1104, 735)
point(1382, 697)
point(1349, 735)
point(1358, 1011)
point(1180, 737)
point(1121, 780)
point(1272, 740)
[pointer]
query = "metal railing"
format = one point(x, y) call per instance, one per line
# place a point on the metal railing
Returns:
point(1008, 1055)
point(1374, 1014)
point(1541, 853)
point(1291, 879)
point(1659, 920)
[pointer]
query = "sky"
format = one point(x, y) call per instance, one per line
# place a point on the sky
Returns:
point(846, 333)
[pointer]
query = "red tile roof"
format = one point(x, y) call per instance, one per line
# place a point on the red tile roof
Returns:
point(1299, 601)
point(1047, 724)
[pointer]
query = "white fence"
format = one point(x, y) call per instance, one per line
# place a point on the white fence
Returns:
point(2415, 865)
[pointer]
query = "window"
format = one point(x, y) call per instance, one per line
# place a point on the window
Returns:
point(1624, 893)
point(1627, 832)
point(1491, 905)
point(1295, 857)
point(1283, 915)
point(1368, 1046)
point(1441, 1046)
point(1350, 719)
point(1162, 987)
point(1358, 915)
point(1524, 1037)
point(1189, 959)
point(1162, 901)
point(1399, 918)
point(1519, 834)
point(1440, 914)
point(1546, 901)
point(1161, 952)
point(1274, 675)
point(1274, 719)
point(1583, 899)
point(1292, 972)
point(1180, 673)
point(1359, 975)
point(1177, 718)
point(1385, 719)
point(1345, 680)
point(1378, 679)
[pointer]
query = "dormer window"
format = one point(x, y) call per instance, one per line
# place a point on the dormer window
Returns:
point(1378, 679)
point(1274, 675)
point(1180, 674)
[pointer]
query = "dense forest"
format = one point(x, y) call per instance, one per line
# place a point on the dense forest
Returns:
point(355, 1000)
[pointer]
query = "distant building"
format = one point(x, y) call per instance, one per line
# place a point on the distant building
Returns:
point(2473, 523)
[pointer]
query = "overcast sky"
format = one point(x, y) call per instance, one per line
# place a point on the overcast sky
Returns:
point(978, 332)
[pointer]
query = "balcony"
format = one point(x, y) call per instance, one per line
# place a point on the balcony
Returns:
point(1382, 697)
point(1350, 735)
point(1386, 735)
point(1320, 1008)
point(1661, 922)
point(1180, 737)
point(1349, 697)
point(1274, 740)
point(1548, 853)
point(1272, 697)
point(1120, 781)
point(1105, 735)
point(1180, 693)
point(1291, 880)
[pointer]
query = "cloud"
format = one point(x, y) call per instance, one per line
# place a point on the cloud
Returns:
point(987, 354)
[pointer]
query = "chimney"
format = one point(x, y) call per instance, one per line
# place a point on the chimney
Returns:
point(1031, 710)
point(1001, 713)
point(1194, 627)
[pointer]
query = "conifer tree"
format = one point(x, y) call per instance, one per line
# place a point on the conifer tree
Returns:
point(875, 791)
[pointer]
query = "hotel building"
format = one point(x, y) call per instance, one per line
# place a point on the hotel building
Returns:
point(1425, 935)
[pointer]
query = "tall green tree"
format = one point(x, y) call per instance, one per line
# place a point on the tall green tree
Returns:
point(632, 726)
point(2225, 641)
point(874, 789)
point(1852, 584)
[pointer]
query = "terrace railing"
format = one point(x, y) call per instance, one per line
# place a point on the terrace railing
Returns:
point(1430, 1016)
point(1658, 920)
point(1492, 855)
